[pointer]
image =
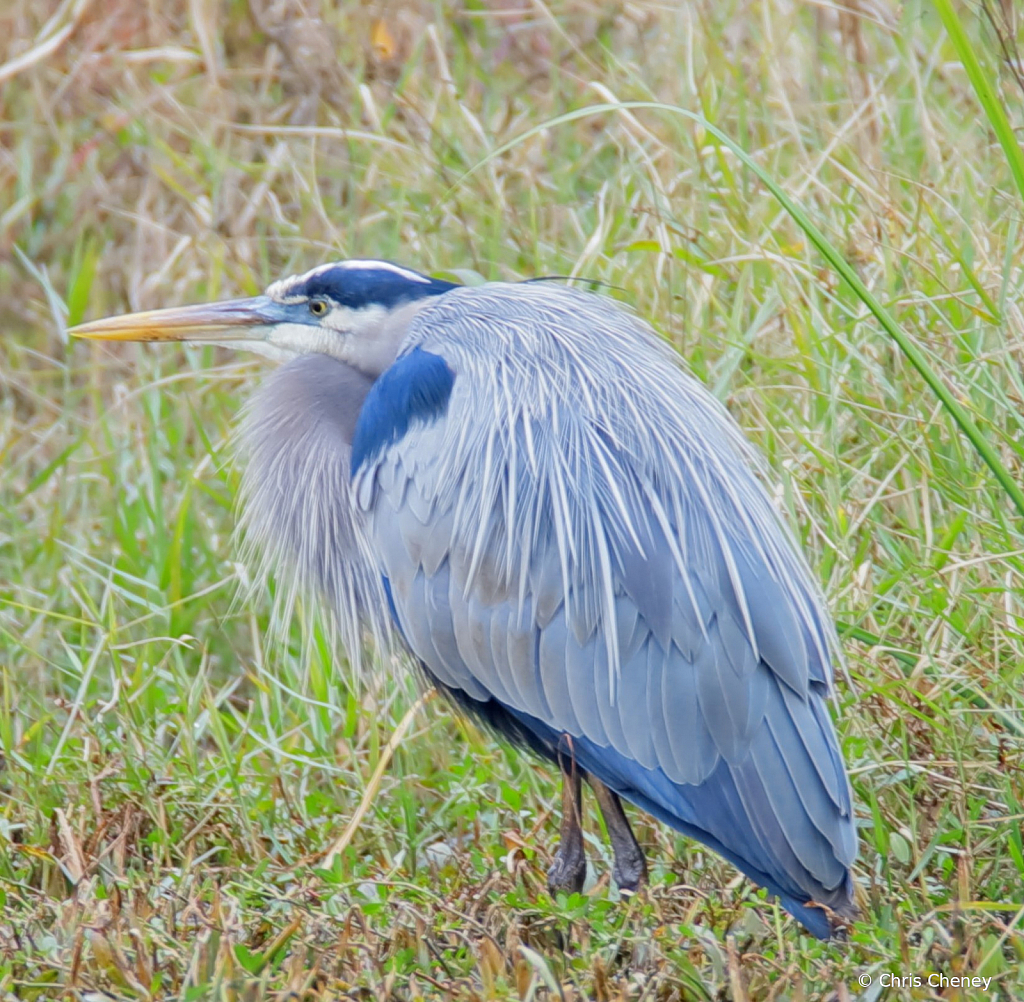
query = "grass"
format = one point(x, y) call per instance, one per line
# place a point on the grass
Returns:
point(173, 771)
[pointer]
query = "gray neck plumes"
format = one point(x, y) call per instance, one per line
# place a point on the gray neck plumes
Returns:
point(296, 516)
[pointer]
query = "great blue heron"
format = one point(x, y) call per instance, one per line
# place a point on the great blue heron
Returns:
point(565, 530)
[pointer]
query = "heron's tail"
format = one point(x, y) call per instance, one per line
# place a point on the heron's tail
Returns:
point(733, 813)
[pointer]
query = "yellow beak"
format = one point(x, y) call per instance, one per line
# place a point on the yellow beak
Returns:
point(233, 320)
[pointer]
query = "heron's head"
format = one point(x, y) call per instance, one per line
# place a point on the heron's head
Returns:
point(355, 311)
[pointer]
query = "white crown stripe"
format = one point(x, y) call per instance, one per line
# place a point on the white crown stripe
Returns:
point(279, 290)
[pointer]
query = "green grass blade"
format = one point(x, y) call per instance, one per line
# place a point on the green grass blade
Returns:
point(825, 248)
point(986, 93)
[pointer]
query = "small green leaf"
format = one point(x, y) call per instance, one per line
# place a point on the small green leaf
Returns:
point(252, 962)
point(83, 272)
point(642, 246)
point(899, 847)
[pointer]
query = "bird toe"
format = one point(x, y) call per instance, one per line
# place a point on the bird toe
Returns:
point(568, 870)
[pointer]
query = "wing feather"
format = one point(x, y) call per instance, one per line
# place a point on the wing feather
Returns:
point(450, 664)
point(553, 677)
point(580, 667)
point(690, 731)
point(521, 643)
point(633, 707)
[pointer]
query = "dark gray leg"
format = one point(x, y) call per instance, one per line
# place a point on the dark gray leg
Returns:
point(630, 867)
point(569, 867)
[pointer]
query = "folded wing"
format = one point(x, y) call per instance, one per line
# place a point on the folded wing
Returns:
point(578, 534)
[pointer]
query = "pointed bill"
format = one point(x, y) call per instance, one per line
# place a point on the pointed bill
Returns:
point(233, 320)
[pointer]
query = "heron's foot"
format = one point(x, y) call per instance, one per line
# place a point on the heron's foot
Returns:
point(630, 866)
point(568, 870)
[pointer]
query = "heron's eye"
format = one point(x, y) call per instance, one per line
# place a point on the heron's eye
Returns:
point(318, 307)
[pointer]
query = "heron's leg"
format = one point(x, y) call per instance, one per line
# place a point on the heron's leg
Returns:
point(569, 867)
point(630, 867)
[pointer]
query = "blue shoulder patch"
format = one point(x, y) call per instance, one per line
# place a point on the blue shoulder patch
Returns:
point(415, 388)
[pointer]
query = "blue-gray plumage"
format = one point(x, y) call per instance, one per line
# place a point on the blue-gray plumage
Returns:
point(567, 533)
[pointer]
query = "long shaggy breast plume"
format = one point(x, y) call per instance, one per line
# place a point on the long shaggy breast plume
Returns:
point(295, 441)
